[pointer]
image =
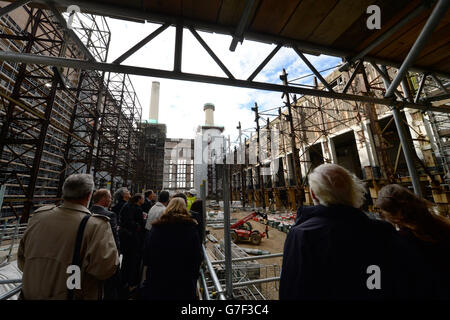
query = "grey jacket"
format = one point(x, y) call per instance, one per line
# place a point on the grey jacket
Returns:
point(154, 214)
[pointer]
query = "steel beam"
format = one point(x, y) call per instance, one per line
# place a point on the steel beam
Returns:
point(211, 53)
point(178, 48)
point(385, 76)
point(109, 67)
point(438, 98)
point(263, 64)
point(70, 32)
point(419, 90)
point(10, 7)
point(238, 36)
point(311, 67)
point(352, 77)
point(141, 43)
point(438, 13)
point(439, 83)
point(134, 14)
point(404, 143)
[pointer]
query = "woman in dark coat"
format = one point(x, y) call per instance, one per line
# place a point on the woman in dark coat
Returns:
point(172, 254)
point(131, 239)
point(426, 232)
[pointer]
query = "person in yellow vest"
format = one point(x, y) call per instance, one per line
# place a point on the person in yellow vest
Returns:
point(191, 198)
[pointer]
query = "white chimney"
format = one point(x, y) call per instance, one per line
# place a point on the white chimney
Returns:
point(209, 114)
point(154, 103)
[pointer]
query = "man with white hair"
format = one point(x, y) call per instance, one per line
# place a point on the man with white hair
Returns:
point(52, 264)
point(335, 251)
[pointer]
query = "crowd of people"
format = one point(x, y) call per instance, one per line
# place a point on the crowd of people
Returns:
point(149, 246)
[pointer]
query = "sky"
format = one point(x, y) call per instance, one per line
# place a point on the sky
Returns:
point(181, 102)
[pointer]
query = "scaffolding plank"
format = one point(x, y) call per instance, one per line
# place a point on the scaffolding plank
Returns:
point(344, 14)
point(402, 32)
point(231, 12)
point(303, 22)
point(391, 15)
point(272, 17)
point(205, 11)
point(172, 7)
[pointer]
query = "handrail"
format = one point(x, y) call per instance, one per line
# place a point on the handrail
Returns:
point(214, 277)
point(11, 293)
point(9, 281)
point(266, 256)
point(205, 286)
point(247, 283)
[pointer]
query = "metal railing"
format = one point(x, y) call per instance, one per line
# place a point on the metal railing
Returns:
point(213, 275)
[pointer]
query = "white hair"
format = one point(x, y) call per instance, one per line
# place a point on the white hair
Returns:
point(118, 195)
point(77, 186)
point(333, 185)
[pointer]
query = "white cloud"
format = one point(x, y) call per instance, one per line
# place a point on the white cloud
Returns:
point(181, 102)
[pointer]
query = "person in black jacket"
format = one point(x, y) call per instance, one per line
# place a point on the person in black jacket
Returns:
point(334, 251)
point(426, 231)
point(196, 212)
point(101, 200)
point(150, 200)
point(173, 255)
point(131, 234)
point(121, 197)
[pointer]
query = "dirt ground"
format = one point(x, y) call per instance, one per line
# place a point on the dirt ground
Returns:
point(273, 244)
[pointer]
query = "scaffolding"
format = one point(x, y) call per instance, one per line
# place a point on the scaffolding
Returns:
point(56, 121)
point(43, 61)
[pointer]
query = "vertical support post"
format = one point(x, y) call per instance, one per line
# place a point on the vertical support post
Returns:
point(404, 141)
point(203, 198)
point(438, 12)
point(241, 164)
point(260, 182)
point(295, 155)
point(226, 231)
point(178, 47)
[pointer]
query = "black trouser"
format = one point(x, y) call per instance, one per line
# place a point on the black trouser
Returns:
point(112, 287)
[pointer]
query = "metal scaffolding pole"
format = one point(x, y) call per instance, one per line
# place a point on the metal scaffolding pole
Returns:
point(295, 152)
point(203, 198)
point(258, 157)
point(177, 75)
point(213, 275)
point(226, 230)
point(120, 12)
point(438, 12)
point(432, 22)
point(10, 7)
point(266, 256)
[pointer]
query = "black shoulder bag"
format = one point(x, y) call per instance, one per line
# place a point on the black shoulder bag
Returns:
point(76, 252)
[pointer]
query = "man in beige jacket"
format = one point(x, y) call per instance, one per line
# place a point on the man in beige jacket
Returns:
point(47, 247)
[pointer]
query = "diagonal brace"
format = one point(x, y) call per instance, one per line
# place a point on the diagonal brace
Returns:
point(310, 66)
point(141, 43)
point(211, 53)
point(263, 64)
point(12, 6)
